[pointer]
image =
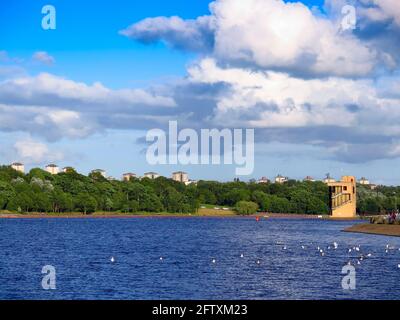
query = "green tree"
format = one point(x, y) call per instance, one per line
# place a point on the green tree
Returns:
point(246, 207)
point(85, 203)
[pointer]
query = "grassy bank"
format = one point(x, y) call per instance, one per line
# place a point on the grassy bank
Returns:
point(201, 213)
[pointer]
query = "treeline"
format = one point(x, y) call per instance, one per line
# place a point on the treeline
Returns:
point(382, 200)
point(39, 191)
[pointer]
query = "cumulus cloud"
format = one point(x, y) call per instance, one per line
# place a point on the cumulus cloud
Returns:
point(54, 107)
point(264, 34)
point(381, 10)
point(43, 57)
point(291, 72)
point(194, 35)
point(281, 68)
point(330, 113)
point(50, 90)
point(377, 25)
point(35, 152)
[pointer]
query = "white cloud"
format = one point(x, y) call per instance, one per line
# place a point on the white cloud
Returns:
point(48, 89)
point(43, 57)
point(54, 107)
point(381, 10)
point(46, 122)
point(174, 31)
point(34, 152)
point(286, 101)
point(266, 34)
point(353, 119)
point(274, 34)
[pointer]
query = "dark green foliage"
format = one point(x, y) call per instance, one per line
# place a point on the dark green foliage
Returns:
point(246, 207)
point(39, 191)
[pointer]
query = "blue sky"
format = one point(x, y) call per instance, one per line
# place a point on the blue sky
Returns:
point(216, 72)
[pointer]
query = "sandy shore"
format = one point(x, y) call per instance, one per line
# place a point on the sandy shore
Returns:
point(379, 229)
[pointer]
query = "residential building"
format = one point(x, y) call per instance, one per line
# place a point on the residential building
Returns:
point(309, 178)
point(100, 171)
point(128, 176)
point(68, 170)
point(281, 179)
point(263, 180)
point(52, 168)
point(191, 182)
point(364, 181)
point(328, 179)
point(151, 175)
point(180, 176)
point(18, 166)
point(342, 197)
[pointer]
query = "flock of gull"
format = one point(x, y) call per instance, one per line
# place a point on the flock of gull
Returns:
point(334, 246)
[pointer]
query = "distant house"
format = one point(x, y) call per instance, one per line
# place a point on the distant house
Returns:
point(128, 176)
point(191, 182)
point(281, 179)
point(151, 175)
point(309, 178)
point(263, 180)
point(18, 166)
point(328, 179)
point(68, 169)
point(52, 169)
point(364, 181)
point(100, 171)
point(180, 176)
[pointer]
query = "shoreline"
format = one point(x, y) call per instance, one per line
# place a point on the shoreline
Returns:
point(99, 215)
point(375, 229)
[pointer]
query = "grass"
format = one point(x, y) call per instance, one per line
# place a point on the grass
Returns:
point(201, 212)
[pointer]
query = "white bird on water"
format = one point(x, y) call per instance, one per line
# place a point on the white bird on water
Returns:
point(112, 259)
point(161, 258)
point(335, 245)
point(303, 247)
point(213, 261)
point(242, 255)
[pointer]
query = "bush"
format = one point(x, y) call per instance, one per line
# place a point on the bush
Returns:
point(246, 207)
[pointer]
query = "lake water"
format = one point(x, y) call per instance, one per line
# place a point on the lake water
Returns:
point(81, 249)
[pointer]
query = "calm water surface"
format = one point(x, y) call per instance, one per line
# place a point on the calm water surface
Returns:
point(80, 250)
